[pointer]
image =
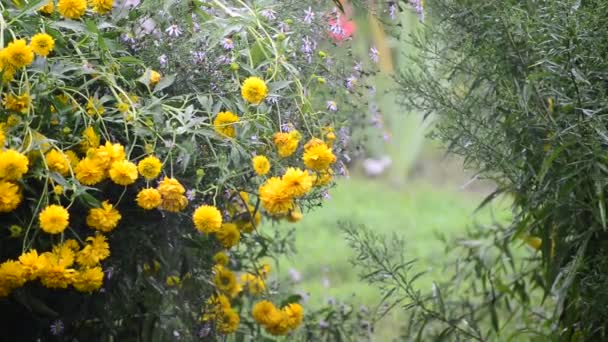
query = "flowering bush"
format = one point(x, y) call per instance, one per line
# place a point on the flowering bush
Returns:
point(138, 164)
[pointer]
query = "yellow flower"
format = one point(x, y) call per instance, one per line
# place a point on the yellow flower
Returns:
point(56, 276)
point(122, 107)
point(54, 219)
point(172, 281)
point(295, 216)
point(10, 196)
point(330, 136)
point(154, 77)
point(72, 158)
point(13, 165)
point(261, 165)
point(221, 258)
point(12, 276)
point(107, 154)
point(265, 313)
point(58, 162)
point(172, 194)
point(318, 157)
point(286, 143)
point(207, 219)
point(96, 250)
point(224, 124)
point(253, 284)
point(88, 280)
point(19, 54)
point(297, 182)
point(275, 197)
point(20, 103)
point(42, 44)
point(149, 167)
point(72, 9)
point(58, 190)
point(48, 8)
point(254, 90)
point(149, 199)
point(102, 6)
point(89, 172)
point(228, 235)
point(323, 177)
point(32, 263)
point(228, 321)
point(94, 107)
point(64, 253)
point(123, 172)
point(294, 313)
point(225, 280)
point(105, 218)
point(90, 139)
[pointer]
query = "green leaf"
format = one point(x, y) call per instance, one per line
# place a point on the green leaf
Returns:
point(165, 82)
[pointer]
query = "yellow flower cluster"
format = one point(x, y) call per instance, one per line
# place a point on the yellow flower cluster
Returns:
point(56, 269)
point(13, 165)
point(224, 124)
point(254, 90)
point(277, 194)
point(172, 195)
point(261, 165)
point(18, 54)
point(278, 321)
point(287, 143)
point(219, 311)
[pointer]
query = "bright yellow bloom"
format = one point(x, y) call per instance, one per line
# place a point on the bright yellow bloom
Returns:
point(295, 216)
point(96, 250)
point(207, 219)
point(42, 44)
point(254, 90)
point(90, 139)
point(72, 158)
point(123, 172)
point(102, 6)
point(122, 107)
point(149, 199)
point(10, 196)
point(88, 280)
point(228, 322)
point(64, 253)
point(19, 54)
point(105, 218)
point(294, 313)
point(17, 103)
point(56, 276)
point(32, 263)
point(225, 280)
point(318, 157)
point(54, 219)
point(228, 235)
point(287, 143)
point(13, 165)
point(72, 9)
point(149, 167)
point(94, 107)
point(261, 165)
point(58, 162)
point(224, 124)
point(12, 276)
point(323, 177)
point(253, 284)
point(275, 197)
point(107, 154)
point(58, 190)
point(172, 194)
point(297, 182)
point(221, 258)
point(48, 8)
point(89, 172)
point(266, 314)
point(154, 77)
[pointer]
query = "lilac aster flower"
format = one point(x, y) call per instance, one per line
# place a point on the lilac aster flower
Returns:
point(326, 196)
point(283, 27)
point(228, 44)
point(332, 106)
point(128, 38)
point(392, 10)
point(336, 28)
point(308, 47)
point(57, 327)
point(269, 14)
point(309, 15)
point(174, 31)
point(373, 54)
point(272, 100)
point(198, 56)
point(418, 7)
point(323, 324)
point(358, 67)
point(191, 194)
point(351, 82)
point(163, 60)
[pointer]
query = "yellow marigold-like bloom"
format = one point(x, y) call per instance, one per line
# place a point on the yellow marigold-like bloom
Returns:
point(224, 124)
point(123, 172)
point(207, 219)
point(89, 172)
point(228, 235)
point(149, 199)
point(274, 196)
point(286, 143)
point(172, 194)
point(104, 219)
point(228, 321)
point(294, 313)
point(13, 165)
point(94, 107)
point(8, 70)
point(90, 139)
point(10, 196)
point(149, 167)
point(48, 8)
point(56, 276)
point(17, 103)
point(58, 190)
point(108, 154)
point(58, 162)
point(2, 137)
point(96, 250)
point(253, 284)
point(225, 280)
point(261, 165)
point(12, 276)
point(319, 157)
point(254, 90)
point(88, 280)
point(221, 258)
point(265, 313)
point(312, 143)
point(102, 6)
point(297, 182)
point(154, 77)
point(72, 158)
point(323, 177)
point(295, 216)
point(54, 219)
point(72, 9)
point(42, 44)
point(32, 263)
point(19, 54)
point(64, 253)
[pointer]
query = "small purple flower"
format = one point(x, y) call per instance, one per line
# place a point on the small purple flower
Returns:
point(269, 14)
point(343, 137)
point(323, 324)
point(224, 59)
point(351, 82)
point(283, 27)
point(163, 60)
point(204, 331)
point(228, 44)
point(386, 136)
point(392, 10)
point(308, 47)
point(332, 106)
point(295, 276)
point(198, 56)
point(309, 15)
point(358, 67)
point(128, 38)
point(57, 327)
point(373, 54)
point(326, 196)
point(109, 272)
point(191, 194)
point(419, 8)
point(273, 100)
point(336, 28)
point(174, 31)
